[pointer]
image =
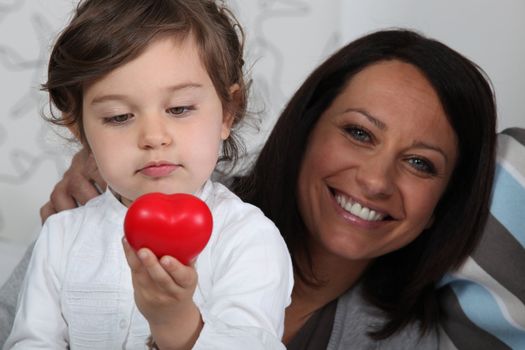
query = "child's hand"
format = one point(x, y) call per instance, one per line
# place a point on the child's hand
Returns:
point(164, 295)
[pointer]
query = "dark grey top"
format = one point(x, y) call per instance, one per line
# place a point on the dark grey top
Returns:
point(354, 318)
point(344, 324)
point(315, 334)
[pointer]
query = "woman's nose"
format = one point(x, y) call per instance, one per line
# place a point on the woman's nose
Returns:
point(376, 176)
point(154, 133)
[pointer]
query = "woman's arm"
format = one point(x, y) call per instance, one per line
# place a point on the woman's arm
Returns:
point(80, 183)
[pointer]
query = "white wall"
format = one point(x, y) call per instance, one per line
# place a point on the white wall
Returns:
point(286, 39)
point(491, 33)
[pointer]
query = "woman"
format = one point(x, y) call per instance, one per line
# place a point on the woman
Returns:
point(364, 129)
point(378, 175)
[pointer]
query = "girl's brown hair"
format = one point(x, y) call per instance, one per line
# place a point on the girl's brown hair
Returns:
point(105, 34)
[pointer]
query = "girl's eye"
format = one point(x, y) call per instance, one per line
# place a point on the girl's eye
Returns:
point(118, 119)
point(422, 165)
point(358, 134)
point(179, 111)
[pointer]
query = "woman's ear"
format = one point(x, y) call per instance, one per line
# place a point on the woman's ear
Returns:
point(430, 222)
point(229, 113)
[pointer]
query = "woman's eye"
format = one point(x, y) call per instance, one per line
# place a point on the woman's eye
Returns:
point(422, 165)
point(118, 119)
point(179, 110)
point(358, 134)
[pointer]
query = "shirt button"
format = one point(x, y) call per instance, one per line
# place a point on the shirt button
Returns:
point(123, 323)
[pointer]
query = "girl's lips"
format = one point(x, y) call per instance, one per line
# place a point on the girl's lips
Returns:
point(158, 170)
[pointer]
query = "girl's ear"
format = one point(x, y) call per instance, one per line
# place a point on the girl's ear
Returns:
point(229, 113)
point(74, 129)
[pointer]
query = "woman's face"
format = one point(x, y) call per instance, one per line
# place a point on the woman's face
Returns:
point(377, 162)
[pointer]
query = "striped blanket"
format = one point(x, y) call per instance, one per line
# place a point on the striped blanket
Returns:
point(483, 303)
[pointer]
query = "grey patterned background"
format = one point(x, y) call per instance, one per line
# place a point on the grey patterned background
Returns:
point(285, 40)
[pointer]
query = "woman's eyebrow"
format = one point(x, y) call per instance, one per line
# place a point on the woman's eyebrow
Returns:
point(374, 120)
point(425, 145)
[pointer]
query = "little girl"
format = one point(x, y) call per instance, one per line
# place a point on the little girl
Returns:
point(153, 89)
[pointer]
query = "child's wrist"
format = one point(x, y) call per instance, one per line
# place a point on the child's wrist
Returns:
point(179, 333)
point(173, 316)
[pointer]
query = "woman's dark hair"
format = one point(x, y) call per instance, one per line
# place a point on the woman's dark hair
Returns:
point(401, 283)
point(106, 34)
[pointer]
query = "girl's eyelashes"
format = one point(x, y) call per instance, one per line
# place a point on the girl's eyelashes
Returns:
point(359, 133)
point(118, 119)
point(180, 111)
point(422, 165)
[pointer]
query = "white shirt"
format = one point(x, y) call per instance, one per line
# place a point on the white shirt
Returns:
point(77, 292)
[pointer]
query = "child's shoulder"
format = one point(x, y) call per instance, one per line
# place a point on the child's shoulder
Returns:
point(224, 201)
point(76, 214)
point(90, 220)
point(232, 215)
point(242, 231)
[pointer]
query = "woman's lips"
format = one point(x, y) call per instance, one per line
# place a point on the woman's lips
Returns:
point(344, 207)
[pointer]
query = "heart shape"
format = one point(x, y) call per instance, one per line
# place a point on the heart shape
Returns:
point(178, 225)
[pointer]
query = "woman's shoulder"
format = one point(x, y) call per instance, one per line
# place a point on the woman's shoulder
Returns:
point(229, 210)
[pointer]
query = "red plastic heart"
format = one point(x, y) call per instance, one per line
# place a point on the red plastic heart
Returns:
point(178, 225)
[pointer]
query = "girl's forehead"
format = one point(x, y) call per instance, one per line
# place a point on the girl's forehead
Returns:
point(165, 66)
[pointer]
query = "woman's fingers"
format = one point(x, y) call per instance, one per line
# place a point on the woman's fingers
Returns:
point(80, 183)
point(93, 174)
point(46, 211)
point(81, 180)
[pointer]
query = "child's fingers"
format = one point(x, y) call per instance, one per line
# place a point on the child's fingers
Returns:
point(157, 272)
point(168, 274)
point(133, 260)
point(184, 276)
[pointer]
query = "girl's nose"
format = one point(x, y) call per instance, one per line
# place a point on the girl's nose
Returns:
point(376, 177)
point(154, 133)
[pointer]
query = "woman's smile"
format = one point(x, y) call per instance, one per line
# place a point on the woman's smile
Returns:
point(377, 162)
point(357, 209)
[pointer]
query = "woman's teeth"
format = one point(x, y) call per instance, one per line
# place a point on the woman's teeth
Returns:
point(357, 209)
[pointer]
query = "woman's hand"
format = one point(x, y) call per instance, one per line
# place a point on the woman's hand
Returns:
point(80, 183)
point(164, 295)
